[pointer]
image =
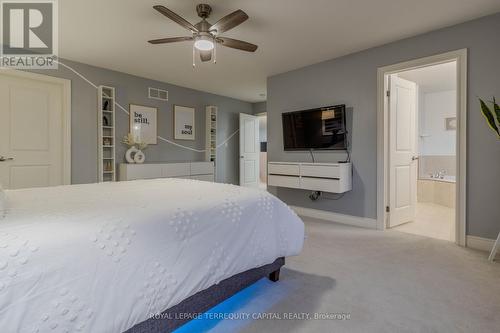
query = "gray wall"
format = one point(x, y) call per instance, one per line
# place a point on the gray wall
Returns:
point(259, 107)
point(134, 90)
point(353, 80)
point(263, 128)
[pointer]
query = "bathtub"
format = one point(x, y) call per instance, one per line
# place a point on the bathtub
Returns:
point(440, 191)
point(445, 178)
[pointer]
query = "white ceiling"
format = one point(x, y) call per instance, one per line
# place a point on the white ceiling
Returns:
point(435, 78)
point(290, 34)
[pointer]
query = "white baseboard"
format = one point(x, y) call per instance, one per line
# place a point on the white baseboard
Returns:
point(479, 243)
point(357, 221)
point(474, 242)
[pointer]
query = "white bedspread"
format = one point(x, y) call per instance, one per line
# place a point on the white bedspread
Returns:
point(104, 257)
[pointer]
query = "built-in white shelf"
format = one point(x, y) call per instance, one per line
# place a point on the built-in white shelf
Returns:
point(211, 134)
point(106, 134)
point(324, 177)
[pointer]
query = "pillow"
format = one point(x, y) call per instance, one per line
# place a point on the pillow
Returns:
point(3, 203)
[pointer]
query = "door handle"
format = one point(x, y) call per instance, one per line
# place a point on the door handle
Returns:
point(5, 159)
point(414, 158)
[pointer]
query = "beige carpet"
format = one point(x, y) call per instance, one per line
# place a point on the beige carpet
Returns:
point(386, 281)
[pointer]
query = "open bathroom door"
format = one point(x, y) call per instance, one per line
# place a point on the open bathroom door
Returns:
point(402, 151)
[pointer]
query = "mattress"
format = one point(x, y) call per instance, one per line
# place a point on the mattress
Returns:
point(104, 257)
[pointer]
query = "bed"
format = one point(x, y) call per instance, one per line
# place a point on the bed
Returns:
point(112, 257)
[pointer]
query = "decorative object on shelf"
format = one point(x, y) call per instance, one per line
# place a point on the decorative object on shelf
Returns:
point(135, 153)
point(139, 157)
point(184, 123)
point(107, 142)
point(105, 121)
point(143, 124)
point(130, 154)
point(105, 106)
point(108, 166)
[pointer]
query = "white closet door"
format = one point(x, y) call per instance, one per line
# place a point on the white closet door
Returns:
point(31, 132)
point(249, 150)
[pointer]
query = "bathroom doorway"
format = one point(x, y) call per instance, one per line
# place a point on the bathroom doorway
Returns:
point(398, 165)
point(433, 92)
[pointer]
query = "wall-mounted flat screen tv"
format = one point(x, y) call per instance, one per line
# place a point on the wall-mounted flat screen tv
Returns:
point(322, 128)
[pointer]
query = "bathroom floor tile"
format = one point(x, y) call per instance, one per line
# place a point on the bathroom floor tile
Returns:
point(433, 221)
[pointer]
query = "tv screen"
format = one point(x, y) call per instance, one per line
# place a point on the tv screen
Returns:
point(321, 128)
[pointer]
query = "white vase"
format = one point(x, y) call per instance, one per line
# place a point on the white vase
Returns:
point(139, 157)
point(130, 154)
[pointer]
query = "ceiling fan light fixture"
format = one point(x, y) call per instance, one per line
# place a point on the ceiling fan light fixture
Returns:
point(204, 43)
point(206, 37)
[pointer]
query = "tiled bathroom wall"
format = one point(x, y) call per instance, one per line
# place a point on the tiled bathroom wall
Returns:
point(433, 164)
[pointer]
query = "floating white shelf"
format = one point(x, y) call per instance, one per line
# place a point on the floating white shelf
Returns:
point(325, 177)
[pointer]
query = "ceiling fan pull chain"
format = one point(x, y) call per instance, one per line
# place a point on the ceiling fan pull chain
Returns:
point(194, 63)
point(215, 51)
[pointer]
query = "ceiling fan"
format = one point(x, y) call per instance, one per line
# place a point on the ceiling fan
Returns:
point(206, 35)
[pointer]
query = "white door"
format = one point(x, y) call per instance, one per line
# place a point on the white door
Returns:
point(402, 151)
point(31, 132)
point(249, 150)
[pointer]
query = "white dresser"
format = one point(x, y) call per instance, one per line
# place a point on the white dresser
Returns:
point(189, 170)
point(324, 177)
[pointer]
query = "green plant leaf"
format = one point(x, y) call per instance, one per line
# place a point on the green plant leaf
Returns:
point(488, 114)
point(497, 110)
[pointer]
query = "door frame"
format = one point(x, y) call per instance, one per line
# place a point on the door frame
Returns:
point(460, 56)
point(66, 113)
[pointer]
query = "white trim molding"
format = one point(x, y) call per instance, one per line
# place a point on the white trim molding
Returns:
point(66, 122)
point(480, 243)
point(460, 56)
point(357, 221)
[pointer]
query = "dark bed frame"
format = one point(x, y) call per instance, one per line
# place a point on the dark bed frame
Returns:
point(204, 300)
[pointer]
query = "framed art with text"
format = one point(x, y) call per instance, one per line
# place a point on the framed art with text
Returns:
point(184, 128)
point(143, 124)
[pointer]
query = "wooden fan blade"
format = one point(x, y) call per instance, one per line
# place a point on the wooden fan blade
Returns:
point(170, 40)
point(176, 18)
point(229, 21)
point(237, 44)
point(205, 55)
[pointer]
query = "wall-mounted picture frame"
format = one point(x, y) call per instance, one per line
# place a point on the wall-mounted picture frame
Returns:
point(143, 123)
point(184, 123)
point(451, 123)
